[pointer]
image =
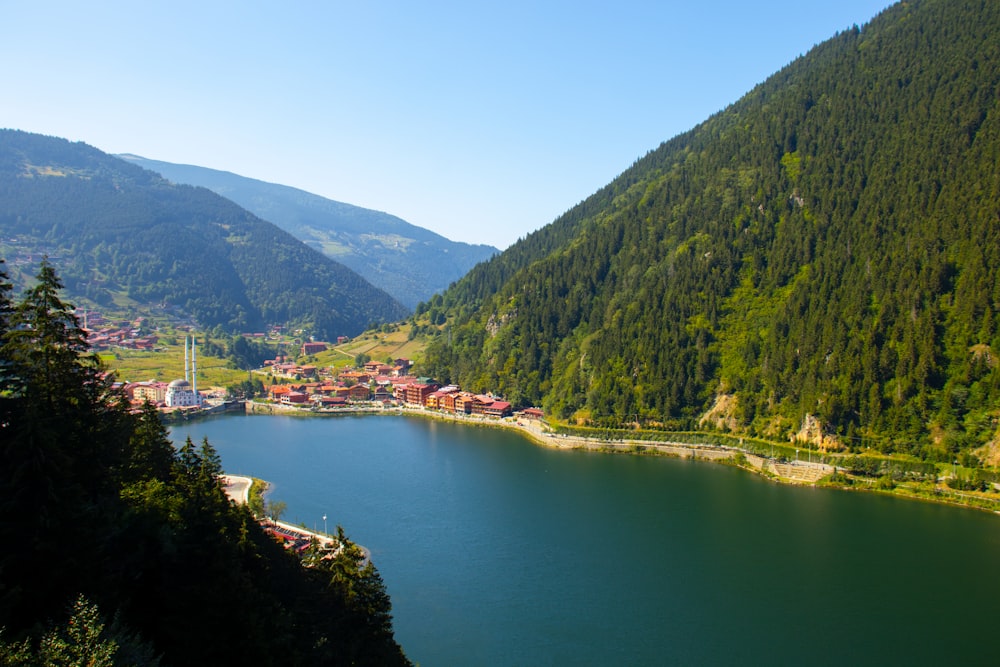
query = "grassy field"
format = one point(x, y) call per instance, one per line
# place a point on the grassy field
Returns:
point(167, 365)
point(380, 346)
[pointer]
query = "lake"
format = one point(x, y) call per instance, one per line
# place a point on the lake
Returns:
point(496, 551)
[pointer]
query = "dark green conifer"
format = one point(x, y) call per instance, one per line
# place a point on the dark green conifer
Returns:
point(96, 502)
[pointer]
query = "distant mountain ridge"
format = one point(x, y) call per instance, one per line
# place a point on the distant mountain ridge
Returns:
point(819, 260)
point(116, 228)
point(409, 262)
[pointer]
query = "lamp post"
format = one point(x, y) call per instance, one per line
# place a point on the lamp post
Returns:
point(324, 525)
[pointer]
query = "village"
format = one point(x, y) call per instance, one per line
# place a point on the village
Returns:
point(105, 335)
point(378, 384)
point(292, 385)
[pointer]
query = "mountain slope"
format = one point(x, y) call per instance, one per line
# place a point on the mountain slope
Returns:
point(828, 247)
point(408, 262)
point(109, 225)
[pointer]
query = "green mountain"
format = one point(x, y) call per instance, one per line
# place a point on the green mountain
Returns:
point(408, 262)
point(823, 253)
point(111, 227)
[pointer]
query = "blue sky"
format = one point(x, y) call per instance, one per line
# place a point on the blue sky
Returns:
point(480, 121)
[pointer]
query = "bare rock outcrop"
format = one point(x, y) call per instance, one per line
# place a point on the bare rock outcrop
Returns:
point(811, 432)
point(722, 415)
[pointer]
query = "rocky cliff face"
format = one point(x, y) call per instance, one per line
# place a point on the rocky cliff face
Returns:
point(811, 432)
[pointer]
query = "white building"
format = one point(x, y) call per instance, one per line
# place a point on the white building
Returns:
point(184, 393)
point(181, 395)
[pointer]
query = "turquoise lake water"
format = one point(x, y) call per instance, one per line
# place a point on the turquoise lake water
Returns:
point(496, 551)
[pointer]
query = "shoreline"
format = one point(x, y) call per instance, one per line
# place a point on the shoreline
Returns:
point(798, 473)
point(237, 488)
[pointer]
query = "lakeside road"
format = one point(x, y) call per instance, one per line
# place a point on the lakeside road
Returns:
point(796, 472)
point(325, 541)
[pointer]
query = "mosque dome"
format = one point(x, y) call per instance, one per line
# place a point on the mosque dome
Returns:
point(179, 384)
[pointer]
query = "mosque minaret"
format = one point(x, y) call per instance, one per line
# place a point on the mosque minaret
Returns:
point(184, 393)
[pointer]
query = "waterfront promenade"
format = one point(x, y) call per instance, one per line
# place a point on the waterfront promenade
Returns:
point(791, 472)
point(237, 487)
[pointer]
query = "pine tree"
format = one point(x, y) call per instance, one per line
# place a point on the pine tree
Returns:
point(151, 454)
point(5, 304)
point(53, 457)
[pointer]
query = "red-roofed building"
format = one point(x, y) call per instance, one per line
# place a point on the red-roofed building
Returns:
point(313, 348)
point(277, 391)
point(417, 392)
point(372, 367)
point(436, 400)
point(498, 409)
point(447, 402)
point(295, 397)
point(329, 401)
point(533, 413)
point(355, 376)
point(463, 402)
point(399, 386)
point(359, 392)
point(479, 403)
point(152, 391)
point(433, 400)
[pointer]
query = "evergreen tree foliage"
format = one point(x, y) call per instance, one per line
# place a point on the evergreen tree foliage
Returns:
point(828, 245)
point(97, 503)
point(85, 639)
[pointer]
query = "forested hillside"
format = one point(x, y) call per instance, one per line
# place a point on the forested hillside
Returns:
point(119, 549)
point(111, 227)
point(408, 262)
point(829, 245)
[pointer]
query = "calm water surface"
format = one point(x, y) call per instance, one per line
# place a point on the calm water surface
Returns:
point(499, 552)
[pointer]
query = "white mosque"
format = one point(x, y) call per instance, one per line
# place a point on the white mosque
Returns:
point(184, 393)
